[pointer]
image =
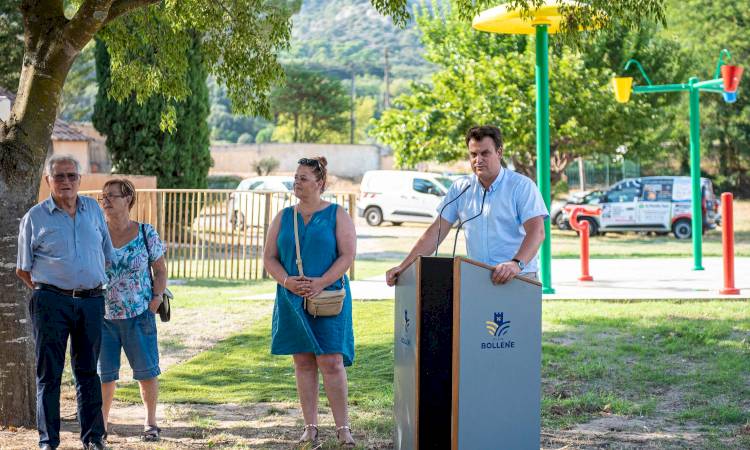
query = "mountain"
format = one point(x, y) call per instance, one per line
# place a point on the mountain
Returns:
point(341, 36)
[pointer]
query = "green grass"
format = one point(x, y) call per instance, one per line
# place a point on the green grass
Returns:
point(696, 353)
point(241, 369)
point(198, 294)
point(367, 268)
point(629, 359)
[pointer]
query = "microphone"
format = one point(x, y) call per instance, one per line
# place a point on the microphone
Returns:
point(481, 208)
point(440, 216)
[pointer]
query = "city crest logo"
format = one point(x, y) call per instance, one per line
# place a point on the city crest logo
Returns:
point(498, 326)
point(406, 323)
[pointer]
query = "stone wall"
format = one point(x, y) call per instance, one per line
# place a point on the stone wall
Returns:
point(347, 161)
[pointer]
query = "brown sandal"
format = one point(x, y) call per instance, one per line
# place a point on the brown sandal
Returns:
point(307, 438)
point(345, 443)
point(152, 434)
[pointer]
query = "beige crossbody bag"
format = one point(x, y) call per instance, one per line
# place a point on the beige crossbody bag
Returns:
point(326, 303)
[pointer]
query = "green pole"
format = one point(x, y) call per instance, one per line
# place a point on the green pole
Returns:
point(695, 174)
point(542, 150)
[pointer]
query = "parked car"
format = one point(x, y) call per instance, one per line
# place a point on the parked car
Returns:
point(659, 204)
point(246, 207)
point(558, 216)
point(399, 196)
point(223, 181)
point(243, 203)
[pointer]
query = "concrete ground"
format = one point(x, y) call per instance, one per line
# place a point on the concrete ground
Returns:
point(626, 279)
point(647, 278)
point(616, 278)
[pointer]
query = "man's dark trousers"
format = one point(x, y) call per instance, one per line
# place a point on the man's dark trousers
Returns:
point(55, 317)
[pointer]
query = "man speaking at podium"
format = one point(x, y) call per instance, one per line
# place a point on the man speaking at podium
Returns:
point(502, 213)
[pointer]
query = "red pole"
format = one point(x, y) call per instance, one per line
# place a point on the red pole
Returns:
point(585, 276)
point(582, 226)
point(727, 238)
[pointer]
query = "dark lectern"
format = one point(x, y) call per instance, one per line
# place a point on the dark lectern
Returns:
point(467, 358)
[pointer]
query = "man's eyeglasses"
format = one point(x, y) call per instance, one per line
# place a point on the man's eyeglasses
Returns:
point(310, 163)
point(61, 177)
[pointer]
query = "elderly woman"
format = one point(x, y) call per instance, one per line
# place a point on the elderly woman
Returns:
point(326, 344)
point(131, 302)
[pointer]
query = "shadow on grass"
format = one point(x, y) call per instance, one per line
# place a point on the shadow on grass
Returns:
point(241, 369)
point(686, 368)
point(670, 360)
point(209, 433)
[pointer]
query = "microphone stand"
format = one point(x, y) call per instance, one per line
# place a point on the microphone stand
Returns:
point(440, 216)
point(481, 208)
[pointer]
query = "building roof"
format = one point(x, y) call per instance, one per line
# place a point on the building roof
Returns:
point(63, 131)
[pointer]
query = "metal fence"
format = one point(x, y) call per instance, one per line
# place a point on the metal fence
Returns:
point(601, 172)
point(217, 233)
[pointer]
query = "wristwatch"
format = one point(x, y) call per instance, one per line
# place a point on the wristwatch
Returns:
point(520, 263)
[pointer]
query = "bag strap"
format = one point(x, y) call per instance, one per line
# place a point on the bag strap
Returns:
point(148, 252)
point(296, 243)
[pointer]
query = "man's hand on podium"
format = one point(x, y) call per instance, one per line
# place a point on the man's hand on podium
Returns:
point(505, 272)
point(391, 277)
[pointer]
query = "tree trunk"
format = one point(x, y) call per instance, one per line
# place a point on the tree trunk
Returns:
point(24, 141)
point(17, 367)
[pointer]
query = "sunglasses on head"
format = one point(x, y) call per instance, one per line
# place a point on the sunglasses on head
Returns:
point(309, 162)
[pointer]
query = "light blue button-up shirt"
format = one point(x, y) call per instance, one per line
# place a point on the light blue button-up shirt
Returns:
point(496, 235)
point(64, 251)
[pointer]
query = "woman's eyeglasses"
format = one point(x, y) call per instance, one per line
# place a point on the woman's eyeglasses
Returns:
point(103, 197)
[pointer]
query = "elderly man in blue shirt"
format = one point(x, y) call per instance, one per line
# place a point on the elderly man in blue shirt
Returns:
point(63, 244)
point(502, 213)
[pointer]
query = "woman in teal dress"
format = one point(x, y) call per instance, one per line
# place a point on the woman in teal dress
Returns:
point(326, 344)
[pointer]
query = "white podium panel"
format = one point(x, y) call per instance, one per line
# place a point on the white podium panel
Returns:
point(406, 362)
point(467, 358)
point(497, 345)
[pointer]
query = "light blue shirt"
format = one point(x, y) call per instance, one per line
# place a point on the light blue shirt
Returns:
point(64, 251)
point(496, 235)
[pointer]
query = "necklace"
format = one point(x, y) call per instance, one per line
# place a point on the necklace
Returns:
point(309, 214)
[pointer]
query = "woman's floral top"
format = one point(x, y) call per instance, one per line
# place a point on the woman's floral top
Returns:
point(129, 287)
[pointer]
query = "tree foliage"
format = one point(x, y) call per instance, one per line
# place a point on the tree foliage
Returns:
point(79, 92)
point(226, 126)
point(705, 29)
point(311, 103)
point(11, 44)
point(243, 57)
point(136, 142)
point(603, 15)
point(487, 78)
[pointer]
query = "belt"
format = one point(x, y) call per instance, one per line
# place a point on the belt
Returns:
point(75, 293)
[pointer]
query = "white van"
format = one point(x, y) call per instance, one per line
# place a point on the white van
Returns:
point(399, 196)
